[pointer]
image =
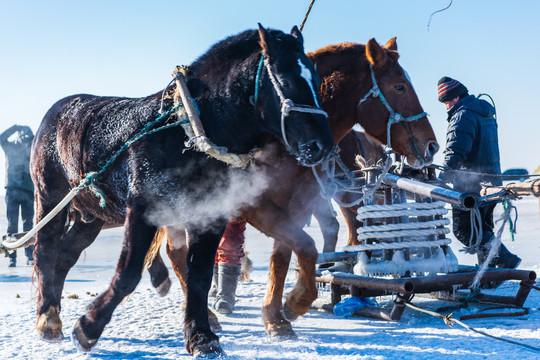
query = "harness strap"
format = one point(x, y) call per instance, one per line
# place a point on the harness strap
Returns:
point(394, 117)
point(287, 105)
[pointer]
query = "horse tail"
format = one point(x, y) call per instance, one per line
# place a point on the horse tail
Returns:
point(154, 246)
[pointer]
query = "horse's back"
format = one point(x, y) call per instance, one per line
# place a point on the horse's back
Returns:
point(81, 131)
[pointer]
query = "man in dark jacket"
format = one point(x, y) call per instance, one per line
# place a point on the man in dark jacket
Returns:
point(16, 143)
point(471, 157)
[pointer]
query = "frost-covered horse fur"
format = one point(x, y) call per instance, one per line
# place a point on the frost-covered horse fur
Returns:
point(157, 181)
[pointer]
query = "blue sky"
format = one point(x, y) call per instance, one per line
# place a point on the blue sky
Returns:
point(51, 49)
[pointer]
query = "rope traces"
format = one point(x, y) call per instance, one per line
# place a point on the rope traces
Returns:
point(449, 320)
point(90, 178)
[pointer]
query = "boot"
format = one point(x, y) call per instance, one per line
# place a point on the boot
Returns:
point(213, 289)
point(226, 289)
point(13, 259)
point(505, 259)
point(29, 252)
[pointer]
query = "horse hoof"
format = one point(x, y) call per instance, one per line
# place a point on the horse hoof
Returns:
point(80, 340)
point(52, 336)
point(49, 325)
point(164, 287)
point(289, 313)
point(211, 350)
point(282, 332)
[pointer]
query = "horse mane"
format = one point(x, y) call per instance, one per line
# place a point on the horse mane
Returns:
point(342, 53)
point(242, 46)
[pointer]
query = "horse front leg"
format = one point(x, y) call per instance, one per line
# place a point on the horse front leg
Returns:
point(273, 319)
point(202, 246)
point(299, 300)
point(288, 236)
point(138, 235)
point(177, 250)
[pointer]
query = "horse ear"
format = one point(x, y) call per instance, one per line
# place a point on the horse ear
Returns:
point(375, 53)
point(297, 34)
point(266, 40)
point(391, 44)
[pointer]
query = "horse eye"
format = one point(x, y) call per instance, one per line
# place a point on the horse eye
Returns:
point(400, 89)
point(285, 83)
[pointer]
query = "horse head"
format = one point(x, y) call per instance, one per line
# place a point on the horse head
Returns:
point(287, 97)
point(411, 134)
point(365, 84)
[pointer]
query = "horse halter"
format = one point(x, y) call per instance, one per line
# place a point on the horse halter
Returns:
point(394, 117)
point(287, 105)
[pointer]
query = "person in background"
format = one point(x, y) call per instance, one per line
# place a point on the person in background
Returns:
point(16, 143)
point(472, 146)
point(227, 266)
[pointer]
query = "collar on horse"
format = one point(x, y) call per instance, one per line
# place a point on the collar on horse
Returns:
point(195, 131)
point(287, 105)
point(394, 117)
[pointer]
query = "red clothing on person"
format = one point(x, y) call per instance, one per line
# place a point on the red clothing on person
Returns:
point(231, 246)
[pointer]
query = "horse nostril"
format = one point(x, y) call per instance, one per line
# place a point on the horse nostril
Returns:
point(432, 149)
point(312, 149)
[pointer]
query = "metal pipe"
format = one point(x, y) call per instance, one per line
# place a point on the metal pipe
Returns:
point(465, 201)
point(431, 283)
point(334, 256)
point(404, 286)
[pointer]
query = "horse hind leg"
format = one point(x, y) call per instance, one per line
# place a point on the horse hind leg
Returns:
point(48, 325)
point(78, 238)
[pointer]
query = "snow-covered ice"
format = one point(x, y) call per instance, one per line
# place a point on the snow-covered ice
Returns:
point(146, 326)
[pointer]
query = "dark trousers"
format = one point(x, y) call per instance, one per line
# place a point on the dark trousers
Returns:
point(23, 201)
point(462, 224)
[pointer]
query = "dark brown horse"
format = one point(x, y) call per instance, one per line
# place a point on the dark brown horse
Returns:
point(159, 180)
point(286, 205)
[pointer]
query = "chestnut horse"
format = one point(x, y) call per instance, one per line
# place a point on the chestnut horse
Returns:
point(347, 71)
point(159, 180)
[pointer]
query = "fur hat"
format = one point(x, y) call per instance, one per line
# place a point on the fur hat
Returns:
point(449, 89)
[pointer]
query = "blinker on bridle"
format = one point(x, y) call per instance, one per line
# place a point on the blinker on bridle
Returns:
point(287, 105)
point(394, 117)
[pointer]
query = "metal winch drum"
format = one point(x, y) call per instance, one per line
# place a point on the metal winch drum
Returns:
point(403, 250)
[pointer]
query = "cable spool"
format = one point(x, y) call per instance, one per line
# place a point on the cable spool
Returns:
point(415, 245)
